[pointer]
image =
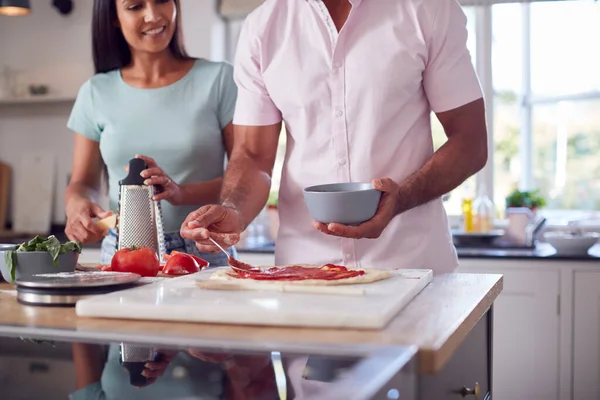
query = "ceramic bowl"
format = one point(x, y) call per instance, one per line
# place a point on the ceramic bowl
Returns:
point(571, 244)
point(37, 262)
point(343, 203)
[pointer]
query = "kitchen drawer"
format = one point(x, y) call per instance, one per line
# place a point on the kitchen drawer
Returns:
point(470, 365)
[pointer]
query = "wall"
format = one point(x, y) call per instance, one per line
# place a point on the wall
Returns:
point(54, 49)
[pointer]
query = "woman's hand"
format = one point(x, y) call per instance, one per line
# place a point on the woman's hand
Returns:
point(80, 226)
point(154, 370)
point(154, 175)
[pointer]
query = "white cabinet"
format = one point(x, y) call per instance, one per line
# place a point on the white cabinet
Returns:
point(586, 336)
point(526, 352)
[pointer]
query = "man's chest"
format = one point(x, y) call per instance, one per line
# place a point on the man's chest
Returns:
point(307, 65)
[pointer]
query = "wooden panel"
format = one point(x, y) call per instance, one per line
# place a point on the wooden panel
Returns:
point(5, 175)
point(469, 366)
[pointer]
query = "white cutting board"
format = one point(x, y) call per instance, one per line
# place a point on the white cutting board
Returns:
point(180, 299)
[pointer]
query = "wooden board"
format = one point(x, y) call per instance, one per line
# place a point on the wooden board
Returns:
point(5, 174)
point(181, 299)
point(34, 195)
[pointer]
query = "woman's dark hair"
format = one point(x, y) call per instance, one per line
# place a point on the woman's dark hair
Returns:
point(109, 47)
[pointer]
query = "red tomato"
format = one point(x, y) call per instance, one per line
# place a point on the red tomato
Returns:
point(181, 264)
point(202, 263)
point(138, 260)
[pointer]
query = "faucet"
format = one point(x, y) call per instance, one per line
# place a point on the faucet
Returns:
point(532, 230)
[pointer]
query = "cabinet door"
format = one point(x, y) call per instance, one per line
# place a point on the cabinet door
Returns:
point(586, 336)
point(525, 333)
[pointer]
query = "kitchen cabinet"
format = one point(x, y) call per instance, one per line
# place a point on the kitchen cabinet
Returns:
point(526, 329)
point(586, 335)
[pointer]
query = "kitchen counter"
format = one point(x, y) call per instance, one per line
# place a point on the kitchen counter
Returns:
point(541, 251)
point(436, 321)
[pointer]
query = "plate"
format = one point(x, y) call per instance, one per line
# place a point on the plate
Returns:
point(78, 279)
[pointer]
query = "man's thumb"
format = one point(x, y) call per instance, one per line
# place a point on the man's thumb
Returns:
point(384, 185)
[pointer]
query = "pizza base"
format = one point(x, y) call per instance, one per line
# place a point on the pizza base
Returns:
point(371, 275)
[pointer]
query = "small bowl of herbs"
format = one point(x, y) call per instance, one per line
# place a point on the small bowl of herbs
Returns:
point(40, 255)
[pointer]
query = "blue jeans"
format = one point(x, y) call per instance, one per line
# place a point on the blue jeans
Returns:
point(173, 242)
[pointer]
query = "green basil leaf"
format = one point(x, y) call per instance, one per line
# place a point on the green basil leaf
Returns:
point(10, 257)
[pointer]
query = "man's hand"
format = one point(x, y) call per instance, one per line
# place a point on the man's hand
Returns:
point(389, 207)
point(223, 224)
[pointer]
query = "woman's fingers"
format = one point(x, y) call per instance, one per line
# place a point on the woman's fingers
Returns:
point(158, 180)
point(155, 171)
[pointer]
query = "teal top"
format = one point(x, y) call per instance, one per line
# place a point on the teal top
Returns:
point(179, 126)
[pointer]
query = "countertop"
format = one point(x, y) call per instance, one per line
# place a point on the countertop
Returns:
point(436, 322)
point(541, 251)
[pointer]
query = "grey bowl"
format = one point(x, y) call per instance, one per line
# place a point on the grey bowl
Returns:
point(7, 246)
point(342, 203)
point(37, 262)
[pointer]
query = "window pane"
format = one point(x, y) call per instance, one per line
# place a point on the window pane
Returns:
point(564, 47)
point(506, 72)
point(566, 161)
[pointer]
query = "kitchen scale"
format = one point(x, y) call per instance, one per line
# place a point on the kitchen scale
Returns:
point(66, 288)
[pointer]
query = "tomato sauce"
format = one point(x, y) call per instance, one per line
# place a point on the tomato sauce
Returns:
point(327, 272)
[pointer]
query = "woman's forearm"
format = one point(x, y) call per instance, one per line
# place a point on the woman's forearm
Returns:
point(80, 190)
point(200, 193)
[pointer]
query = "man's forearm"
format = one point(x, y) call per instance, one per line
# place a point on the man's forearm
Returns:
point(246, 187)
point(450, 166)
point(199, 193)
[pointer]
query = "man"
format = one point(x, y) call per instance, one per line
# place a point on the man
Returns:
point(355, 82)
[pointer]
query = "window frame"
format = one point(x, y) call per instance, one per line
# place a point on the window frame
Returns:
point(483, 65)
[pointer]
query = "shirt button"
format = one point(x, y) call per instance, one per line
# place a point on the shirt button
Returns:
point(339, 113)
point(342, 161)
point(348, 256)
point(337, 64)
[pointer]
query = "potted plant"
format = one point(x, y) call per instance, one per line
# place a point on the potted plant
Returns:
point(273, 214)
point(525, 199)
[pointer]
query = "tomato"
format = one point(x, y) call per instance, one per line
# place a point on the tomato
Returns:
point(138, 260)
point(181, 264)
point(202, 263)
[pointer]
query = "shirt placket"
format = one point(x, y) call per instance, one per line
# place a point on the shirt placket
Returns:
point(339, 124)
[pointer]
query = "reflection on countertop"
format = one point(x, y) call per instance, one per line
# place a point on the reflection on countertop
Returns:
point(542, 250)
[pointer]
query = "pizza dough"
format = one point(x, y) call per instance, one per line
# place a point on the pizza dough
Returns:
point(371, 275)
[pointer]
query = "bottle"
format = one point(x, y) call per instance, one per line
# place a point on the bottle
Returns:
point(483, 209)
point(467, 209)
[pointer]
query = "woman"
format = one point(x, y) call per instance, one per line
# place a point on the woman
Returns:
point(148, 99)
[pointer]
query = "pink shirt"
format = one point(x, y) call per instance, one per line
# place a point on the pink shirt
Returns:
point(356, 106)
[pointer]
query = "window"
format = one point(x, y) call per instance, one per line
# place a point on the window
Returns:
point(547, 102)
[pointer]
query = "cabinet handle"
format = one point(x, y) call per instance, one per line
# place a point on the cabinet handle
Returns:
point(465, 391)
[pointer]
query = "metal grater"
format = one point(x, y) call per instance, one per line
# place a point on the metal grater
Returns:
point(139, 220)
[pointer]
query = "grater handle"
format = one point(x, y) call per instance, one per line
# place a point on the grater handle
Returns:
point(136, 166)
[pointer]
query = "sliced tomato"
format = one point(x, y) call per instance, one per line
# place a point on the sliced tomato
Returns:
point(202, 263)
point(138, 260)
point(181, 264)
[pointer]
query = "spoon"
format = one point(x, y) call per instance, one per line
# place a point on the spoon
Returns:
point(233, 263)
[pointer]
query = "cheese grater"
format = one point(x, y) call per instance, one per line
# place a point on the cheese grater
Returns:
point(139, 220)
